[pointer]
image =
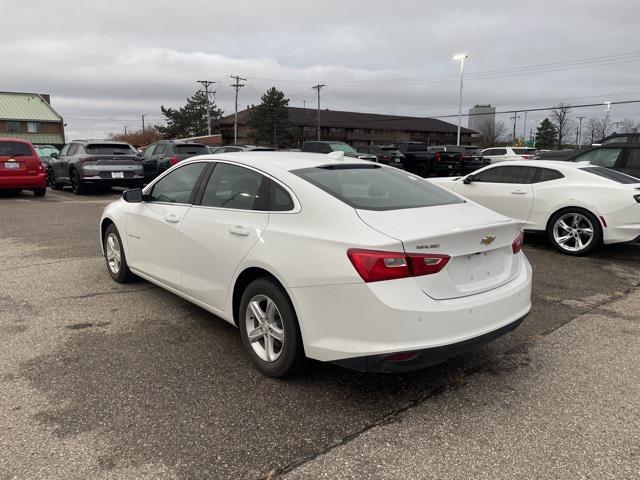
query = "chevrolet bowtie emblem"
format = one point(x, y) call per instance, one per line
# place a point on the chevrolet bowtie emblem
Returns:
point(487, 240)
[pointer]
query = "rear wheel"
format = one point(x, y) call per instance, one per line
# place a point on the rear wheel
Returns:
point(51, 180)
point(269, 329)
point(422, 170)
point(77, 186)
point(574, 231)
point(115, 256)
point(39, 192)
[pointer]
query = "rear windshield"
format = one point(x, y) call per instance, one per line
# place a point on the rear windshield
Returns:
point(341, 147)
point(109, 149)
point(612, 175)
point(372, 187)
point(45, 151)
point(192, 149)
point(7, 149)
point(524, 151)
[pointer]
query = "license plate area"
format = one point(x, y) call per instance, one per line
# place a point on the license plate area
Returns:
point(11, 165)
point(117, 174)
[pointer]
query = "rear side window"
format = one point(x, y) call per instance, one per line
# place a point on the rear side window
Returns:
point(612, 175)
point(191, 150)
point(231, 186)
point(506, 174)
point(178, 186)
point(524, 151)
point(109, 149)
point(633, 160)
point(546, 175)
point(496, 151)
point(280, 200)
point(416, 147)
point(376, 188)
point(17, 149)
point(602, 157)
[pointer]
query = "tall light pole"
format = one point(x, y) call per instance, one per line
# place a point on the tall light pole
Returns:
point(318, 87)
point(144, 115)
point(579, 142)
point(461, 57)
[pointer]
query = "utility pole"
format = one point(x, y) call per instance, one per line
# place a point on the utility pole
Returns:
point(524, 128)
point(304, 104)
point(515, 119)
point(237, 86)
point(318, 87)
point(144, 115)
point(206, 84)
point(579, 142)
point(461, 58)
point(606, 119)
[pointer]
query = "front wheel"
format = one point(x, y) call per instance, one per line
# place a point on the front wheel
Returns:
point(574, 231)
point(115, 256)
point(269, 329)
point(51, 180)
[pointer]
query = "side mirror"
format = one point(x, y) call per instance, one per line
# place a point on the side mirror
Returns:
point(53, 155)
point(139, 154)
point(468, 179)
point(133, 195)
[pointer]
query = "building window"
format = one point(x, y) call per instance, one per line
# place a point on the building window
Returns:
point(34, 127)
point(13, 127)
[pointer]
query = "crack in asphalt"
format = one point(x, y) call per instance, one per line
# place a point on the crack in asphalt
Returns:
point(113, 292)
point(456, 382)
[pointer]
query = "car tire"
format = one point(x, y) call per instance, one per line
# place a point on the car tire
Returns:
point(266, 313)
point(39, 192)
point(115, 257)
point(422, 170)
point(51, 180)
point(77, 186)
point(574, 231)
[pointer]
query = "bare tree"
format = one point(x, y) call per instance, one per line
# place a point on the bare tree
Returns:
point(629, 125)
point(491, 132)
point(562, 121)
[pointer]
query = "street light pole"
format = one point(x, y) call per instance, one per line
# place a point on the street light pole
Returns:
point(318, 87)
point(143, 120)
point(461, 58)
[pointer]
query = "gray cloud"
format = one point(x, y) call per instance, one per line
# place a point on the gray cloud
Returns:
point(106, 63)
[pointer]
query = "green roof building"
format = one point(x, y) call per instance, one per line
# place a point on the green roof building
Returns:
point(30, 116)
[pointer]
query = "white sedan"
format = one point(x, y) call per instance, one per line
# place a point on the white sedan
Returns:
point(578, 205)
point(507, 154)
point(318, 256)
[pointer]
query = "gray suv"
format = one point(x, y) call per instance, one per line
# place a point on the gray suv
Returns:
point(86, 163)
point(164, 154)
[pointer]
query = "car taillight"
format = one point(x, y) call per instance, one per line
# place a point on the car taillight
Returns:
point(516, 246)
point(375, 266)
point(438, 157)
point(527, 157)
point(173, 160)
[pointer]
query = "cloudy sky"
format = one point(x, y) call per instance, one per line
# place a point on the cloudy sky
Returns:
point(106, 63)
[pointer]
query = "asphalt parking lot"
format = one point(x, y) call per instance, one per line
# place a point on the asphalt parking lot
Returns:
point(100, 380)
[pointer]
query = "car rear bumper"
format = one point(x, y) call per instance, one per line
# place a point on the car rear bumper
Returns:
point(134, 180)
point(415, 360)
point(347, 323)
point(25, 182)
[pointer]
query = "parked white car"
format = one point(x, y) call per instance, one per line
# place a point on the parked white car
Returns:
point(578, 205)
point(320, 256)
point(504, 154)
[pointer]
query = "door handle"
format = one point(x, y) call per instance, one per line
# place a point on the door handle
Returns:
point(239, 230)
point(518, 192)
point(171, 218)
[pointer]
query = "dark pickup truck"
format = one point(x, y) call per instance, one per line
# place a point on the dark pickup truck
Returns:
point(419, 160)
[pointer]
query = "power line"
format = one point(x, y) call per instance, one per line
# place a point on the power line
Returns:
point(237, 85)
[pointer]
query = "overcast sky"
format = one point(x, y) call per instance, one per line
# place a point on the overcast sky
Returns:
point(106, 63)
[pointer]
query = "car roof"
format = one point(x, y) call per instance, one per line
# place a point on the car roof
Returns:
point(555, 164)
point(279, 160)
point(19, 140)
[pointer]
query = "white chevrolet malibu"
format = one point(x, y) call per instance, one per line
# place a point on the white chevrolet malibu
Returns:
point(316, 256)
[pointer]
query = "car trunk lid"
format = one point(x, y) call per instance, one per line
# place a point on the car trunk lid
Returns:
point(478, 241)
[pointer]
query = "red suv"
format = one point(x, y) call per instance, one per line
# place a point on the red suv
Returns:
point(21, 168)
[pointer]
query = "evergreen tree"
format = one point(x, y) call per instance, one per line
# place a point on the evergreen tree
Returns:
point(189, 120)
point(270, 120)
point(546, 136)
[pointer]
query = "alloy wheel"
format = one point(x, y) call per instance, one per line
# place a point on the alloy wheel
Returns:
point(573, 232)
point(114, 255)
point(265, 328)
